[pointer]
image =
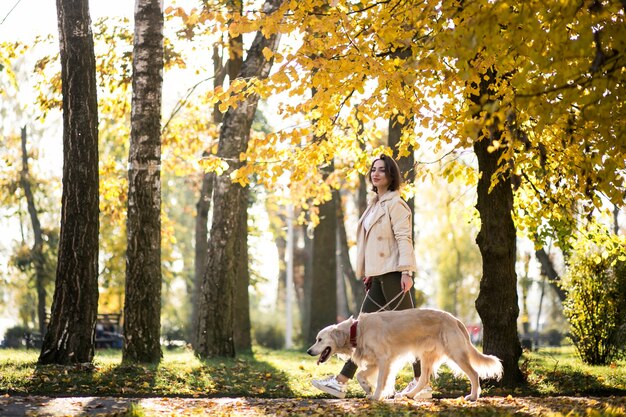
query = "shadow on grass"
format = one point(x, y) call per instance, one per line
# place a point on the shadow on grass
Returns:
point(243, 376)
point(560, 379)
point(565, 380)
point(60, 380)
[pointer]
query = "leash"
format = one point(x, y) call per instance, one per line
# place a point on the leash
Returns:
point(384, 308)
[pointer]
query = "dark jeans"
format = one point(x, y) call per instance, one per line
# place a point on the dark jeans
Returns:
point(384, 289)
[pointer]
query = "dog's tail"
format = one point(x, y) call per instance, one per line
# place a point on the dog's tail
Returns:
point(487, 366)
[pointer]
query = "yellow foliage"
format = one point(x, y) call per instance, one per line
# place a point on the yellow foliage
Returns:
point(555, 95)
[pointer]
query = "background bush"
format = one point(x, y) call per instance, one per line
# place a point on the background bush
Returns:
point(16, 337)
point(596, 300)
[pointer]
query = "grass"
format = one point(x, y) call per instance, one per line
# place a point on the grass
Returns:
point(558, 371)
point(277, 383)
point(277, 374)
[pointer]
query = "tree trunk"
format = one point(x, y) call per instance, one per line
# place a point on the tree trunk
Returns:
point(235, 43)
point(142, 306)
point(70, 335)
point(306, 284)
point(323, 287)
point(215, 318)
point(219, 74)
point(242, 327)
point(241, 309)
point(204, 202)
point(362, 192)
point(343, 311)
point(202, 245)
point(37, 249)
point(281, 246)
point(356, 287)
point(405, 163)
point(497, 300)
point(548, 270)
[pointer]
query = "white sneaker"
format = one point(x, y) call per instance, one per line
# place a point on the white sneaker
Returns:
point(331, 386)
point(424, 394)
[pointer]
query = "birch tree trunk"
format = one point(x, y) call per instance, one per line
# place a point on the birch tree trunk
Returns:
point(142, 306)
point(216, 305)
point(69, 338)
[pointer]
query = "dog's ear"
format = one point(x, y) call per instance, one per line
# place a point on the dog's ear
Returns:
point(344, 326)
point(340, 337)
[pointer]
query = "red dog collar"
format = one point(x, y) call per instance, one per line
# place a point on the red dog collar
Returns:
point(353, 333)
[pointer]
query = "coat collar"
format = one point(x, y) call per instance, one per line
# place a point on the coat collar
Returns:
point(389, 195)
point(385, 197)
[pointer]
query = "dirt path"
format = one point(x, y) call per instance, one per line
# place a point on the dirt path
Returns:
point(252, 407)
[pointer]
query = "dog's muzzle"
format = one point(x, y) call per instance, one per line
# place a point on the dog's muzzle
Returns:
point(323, 356)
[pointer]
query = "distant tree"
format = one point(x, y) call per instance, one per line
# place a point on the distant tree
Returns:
point(70, 334)
point(142, 305)
point(201, 235)
point(458, 257)
point(28, 194)
point(322, 287)
point(37, 249)
point(345, 270)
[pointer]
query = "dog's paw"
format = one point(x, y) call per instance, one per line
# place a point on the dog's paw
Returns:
point(364, 384)
point(471, 398)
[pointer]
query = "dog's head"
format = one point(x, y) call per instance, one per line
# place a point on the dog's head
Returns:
point(334, 339)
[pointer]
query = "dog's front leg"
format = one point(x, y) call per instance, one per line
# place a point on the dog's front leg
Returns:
point(382, 380)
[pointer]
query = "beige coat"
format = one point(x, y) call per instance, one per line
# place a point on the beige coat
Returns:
point(388, 245)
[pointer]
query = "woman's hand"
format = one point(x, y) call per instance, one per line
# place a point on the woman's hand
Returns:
point(406, 282)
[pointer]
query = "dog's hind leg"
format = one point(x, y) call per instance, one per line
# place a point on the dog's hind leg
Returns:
point(463, 361)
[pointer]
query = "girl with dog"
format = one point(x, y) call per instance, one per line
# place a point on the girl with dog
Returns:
point(385, 261)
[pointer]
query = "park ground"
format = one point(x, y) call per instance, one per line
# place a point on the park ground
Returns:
point(255, 407)
point(277, 383)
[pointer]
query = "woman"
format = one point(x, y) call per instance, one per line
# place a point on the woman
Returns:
point(385, 260)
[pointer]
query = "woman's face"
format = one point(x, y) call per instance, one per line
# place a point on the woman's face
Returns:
point(378, 176)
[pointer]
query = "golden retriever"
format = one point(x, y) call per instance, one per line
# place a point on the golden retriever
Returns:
point(381, 343)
